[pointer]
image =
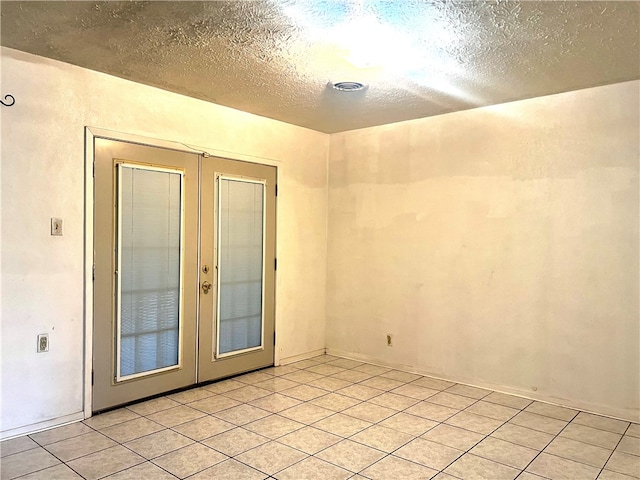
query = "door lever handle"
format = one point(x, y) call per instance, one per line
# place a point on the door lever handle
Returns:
point(206, 286)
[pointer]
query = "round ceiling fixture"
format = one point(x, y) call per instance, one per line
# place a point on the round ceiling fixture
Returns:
point(348, 86)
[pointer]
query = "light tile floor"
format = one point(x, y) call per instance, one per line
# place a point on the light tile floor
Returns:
point(332, 418)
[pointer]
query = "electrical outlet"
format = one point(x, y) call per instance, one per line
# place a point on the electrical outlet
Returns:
point(389, 340)
point(56, 227)
point(43, 342)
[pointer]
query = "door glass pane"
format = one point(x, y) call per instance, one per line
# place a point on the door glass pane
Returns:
point(149, 245)
point(240, 265)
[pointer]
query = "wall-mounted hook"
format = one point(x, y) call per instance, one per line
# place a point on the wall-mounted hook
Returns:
point(10, 100)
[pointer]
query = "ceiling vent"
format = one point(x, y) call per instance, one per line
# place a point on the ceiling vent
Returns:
point(348, 86)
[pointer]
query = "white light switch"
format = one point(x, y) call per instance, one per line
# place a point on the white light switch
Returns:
point(56, 226)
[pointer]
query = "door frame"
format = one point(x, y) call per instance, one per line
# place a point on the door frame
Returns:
point(92, 133)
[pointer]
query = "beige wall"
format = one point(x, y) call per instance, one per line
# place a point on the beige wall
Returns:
point(499, 246)
point(43, 176)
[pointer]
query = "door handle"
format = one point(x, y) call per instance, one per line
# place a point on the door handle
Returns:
point(206, 286)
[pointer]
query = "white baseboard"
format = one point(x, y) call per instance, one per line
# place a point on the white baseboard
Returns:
point(302, 356)
point(629, 415)
point(40, 426)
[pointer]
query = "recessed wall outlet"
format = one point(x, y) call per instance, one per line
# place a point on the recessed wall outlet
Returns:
point(43, 342)
point(389, 340)
point(56, 227)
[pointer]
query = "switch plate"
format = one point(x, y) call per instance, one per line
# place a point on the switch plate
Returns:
point(43, 342)
point(56, 227)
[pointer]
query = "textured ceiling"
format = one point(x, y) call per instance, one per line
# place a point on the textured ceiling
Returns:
point(275, 57)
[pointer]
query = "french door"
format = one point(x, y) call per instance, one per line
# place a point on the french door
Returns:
point(184, 282)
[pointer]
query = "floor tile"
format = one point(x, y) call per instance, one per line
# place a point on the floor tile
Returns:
point(406, 423)
point(392, 467)
point(351, 455)
point(274, 426)
point(558, 468)
point(310, 440)
point(400, 375)
point(105, 462)
point(27, 461)
point(624, 463)
point(223, 386)
point(394, 401)
point(342, 425)
point(503, 452)
point(229, 470)
point(80, 446)
point(376, 370)
point(275, 403)
point(609, 475)
point(630, 445)
point(633, 430)
point(600, 422)
point(335, 402)
point(345, 363)
point(427, 453)
point(302, 364)
point(492, 410)
point(236, 441)
point(254, 377)
point(415, 391)
point(352, 376)
point(453, 437)
point(553, 411)
point(325, 358)
point(507, 400)
point(432, 411)
point(158, 443)
point(214, 404)
point(578, 452)
point(242, 414)
point(592, 436)
point(158, 404)
point(203, 427)
point(16, 445)
point(146, 471)
point(280, 370)
point(276, 384)
point(369, 412)
point(306, 413)
point(382, 438)
point(176, 416)
point(523, 436)
point(475, 423)
point(105, 420)
point(189, 460)
point(330, 384)
point(538, 422)
point(271, 457)
point(304, 392)
point(60, 433)
point(432, 383)
point(189, 396)
point(302, 376)
point(468, 391)
point(529, 476)
point(247, 394)
point(471, 467)
point(324, 369)
point(444, 476)
point(451, 400)
point(57, 472)
point(360, 392)
point(123, 432)
point(382, 383)
point(313, 468)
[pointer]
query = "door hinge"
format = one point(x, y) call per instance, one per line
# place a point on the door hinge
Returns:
point(275, 264)
point(93, 273)
point(276, 189)
point(91, 377)
point(94, 169)
point(274, 337)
